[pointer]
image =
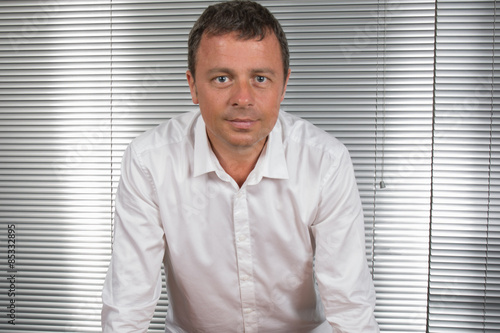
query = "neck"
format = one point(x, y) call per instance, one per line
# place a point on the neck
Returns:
point(239, 163)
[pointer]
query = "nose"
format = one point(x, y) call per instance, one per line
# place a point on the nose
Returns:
point(243, 95)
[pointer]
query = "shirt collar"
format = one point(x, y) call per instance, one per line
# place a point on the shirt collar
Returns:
point(203, 163)
point(271, 163)
point(272, 159)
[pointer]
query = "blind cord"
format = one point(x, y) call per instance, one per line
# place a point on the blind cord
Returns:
point(111, 119)
point(489, 165)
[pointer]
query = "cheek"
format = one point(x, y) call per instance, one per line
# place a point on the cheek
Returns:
point(271, 119)
point(211, 98)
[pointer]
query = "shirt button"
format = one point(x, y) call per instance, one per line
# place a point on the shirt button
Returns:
point(244, 278)
point(242, 238)
point(247, 310)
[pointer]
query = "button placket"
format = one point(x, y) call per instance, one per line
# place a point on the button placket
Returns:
point(245, 262)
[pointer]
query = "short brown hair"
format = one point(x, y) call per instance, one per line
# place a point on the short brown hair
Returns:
point(248, 18)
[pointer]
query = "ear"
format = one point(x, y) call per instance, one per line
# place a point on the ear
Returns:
point(285, 85)
point(192, 87)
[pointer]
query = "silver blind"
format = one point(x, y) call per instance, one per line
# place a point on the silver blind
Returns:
point(465, 240)
point(363, 71)
point(55, 160)
point(149, 51)
point(414, 101)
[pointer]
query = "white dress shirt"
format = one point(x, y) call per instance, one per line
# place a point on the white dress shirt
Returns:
point(239, 259)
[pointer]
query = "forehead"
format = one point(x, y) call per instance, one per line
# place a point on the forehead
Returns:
point(230, 49)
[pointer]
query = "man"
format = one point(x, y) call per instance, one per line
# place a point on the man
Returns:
point(239, 200)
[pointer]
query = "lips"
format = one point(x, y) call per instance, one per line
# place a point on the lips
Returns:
point(243, 124)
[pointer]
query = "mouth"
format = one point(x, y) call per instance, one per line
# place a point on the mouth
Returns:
point(243, 124)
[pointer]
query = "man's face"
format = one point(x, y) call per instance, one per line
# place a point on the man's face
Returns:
point(239, 86)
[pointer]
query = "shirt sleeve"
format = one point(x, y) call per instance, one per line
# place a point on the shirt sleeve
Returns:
point(133, 282)
point(344, 280)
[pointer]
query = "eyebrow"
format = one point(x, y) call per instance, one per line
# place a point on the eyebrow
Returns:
point(219, 70)
point(264, 71)
point(229, 71)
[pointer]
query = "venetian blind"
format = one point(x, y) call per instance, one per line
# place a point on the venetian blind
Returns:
point(55, 160)
point(465, 257)
point(79, 79)
point(149, 84)
point(363, 71)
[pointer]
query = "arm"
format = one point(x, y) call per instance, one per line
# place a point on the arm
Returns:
point(344, 281)
point(133, 282)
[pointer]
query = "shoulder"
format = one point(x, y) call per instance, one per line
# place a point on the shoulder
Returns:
point(315, 158)
point(300, 134)
point(176, 130)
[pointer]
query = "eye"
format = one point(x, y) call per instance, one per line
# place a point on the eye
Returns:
point(260, 79)
point(221, 79)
